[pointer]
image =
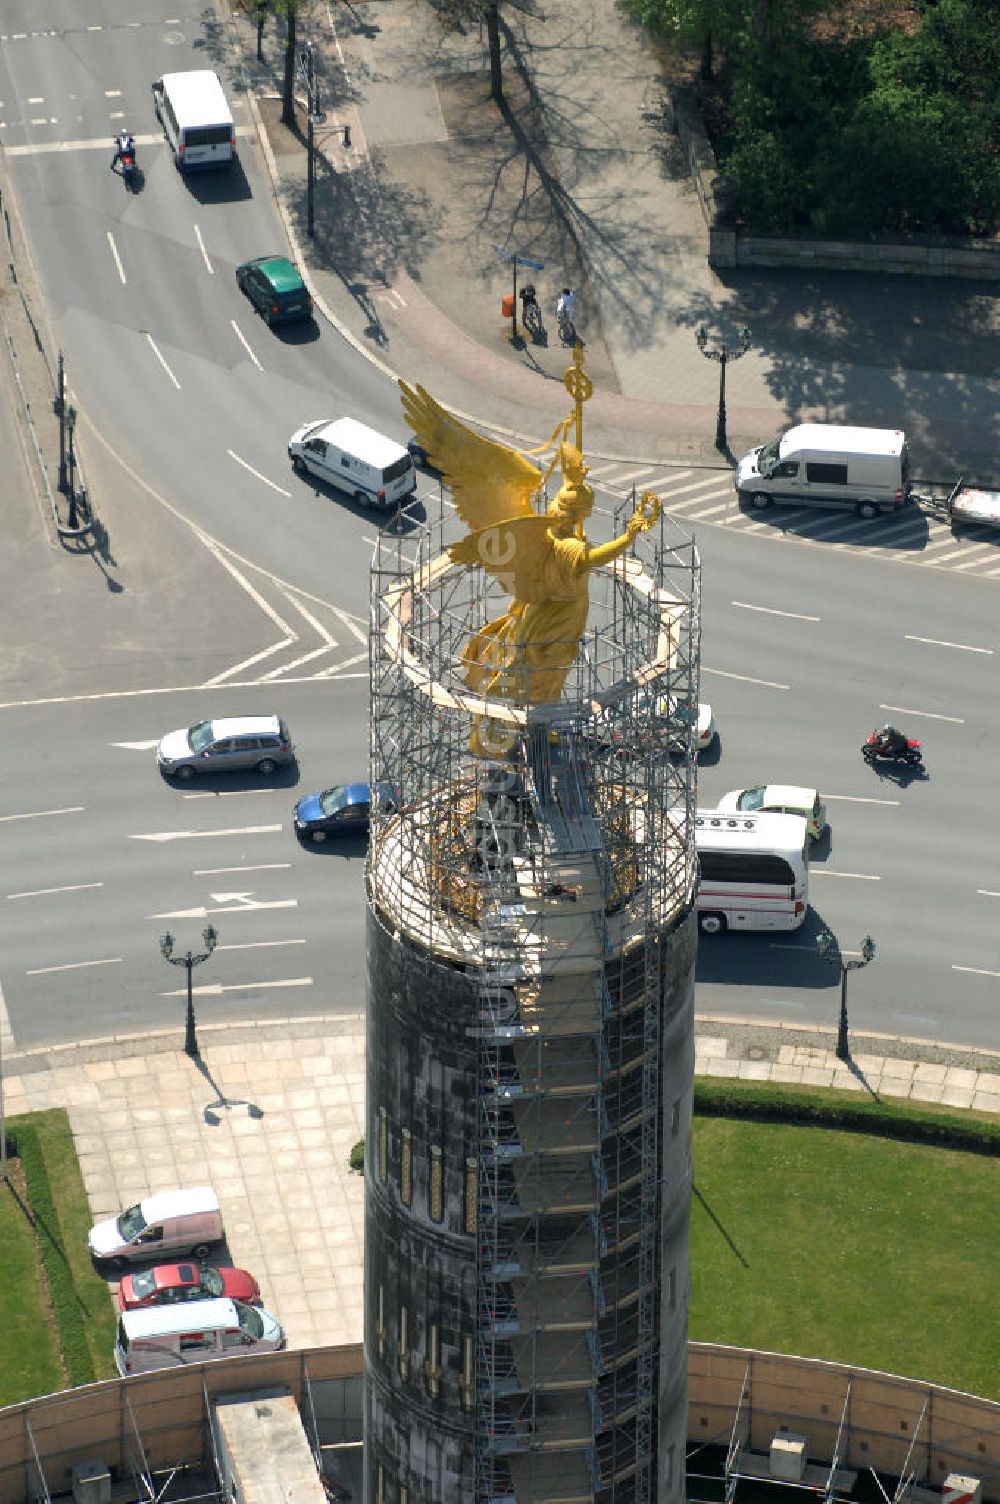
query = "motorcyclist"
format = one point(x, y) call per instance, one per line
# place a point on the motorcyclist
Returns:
point(891, 741)
point(124, 147)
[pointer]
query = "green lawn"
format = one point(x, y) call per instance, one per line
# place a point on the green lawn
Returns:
point(51, 1299)
point(847, 1246)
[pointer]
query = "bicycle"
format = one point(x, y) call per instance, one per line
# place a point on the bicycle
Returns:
point(531, 313)
point(564, 318)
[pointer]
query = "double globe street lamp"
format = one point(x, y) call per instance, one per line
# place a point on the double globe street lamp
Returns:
point(210, 936)
point(829, 951)
point(721, 352)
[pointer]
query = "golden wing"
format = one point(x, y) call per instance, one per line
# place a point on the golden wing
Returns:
point(515, 552)
point(489, 482)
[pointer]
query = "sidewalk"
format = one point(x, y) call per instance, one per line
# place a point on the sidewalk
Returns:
point(581, 174)
point(269, 1114)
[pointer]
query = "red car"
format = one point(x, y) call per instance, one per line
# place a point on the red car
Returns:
point(168, 1283)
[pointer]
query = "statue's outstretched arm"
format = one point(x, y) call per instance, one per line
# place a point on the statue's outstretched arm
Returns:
point(642, 518)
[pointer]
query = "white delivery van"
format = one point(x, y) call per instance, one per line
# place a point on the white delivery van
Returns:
point(375, 470)
point(196, 119)
point(193, 1331)
point(827, 465)
point(186, 1222)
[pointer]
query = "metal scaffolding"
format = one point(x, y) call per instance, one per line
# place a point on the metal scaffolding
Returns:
point(552, 873)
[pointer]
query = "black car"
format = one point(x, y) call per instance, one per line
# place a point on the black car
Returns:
point(275, 289)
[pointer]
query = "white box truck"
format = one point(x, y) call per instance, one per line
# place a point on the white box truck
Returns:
point(829, 465)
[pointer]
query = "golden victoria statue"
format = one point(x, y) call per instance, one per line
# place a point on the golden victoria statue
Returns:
point(542, 560)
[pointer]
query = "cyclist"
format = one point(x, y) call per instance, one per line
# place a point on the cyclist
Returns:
point(565, 310)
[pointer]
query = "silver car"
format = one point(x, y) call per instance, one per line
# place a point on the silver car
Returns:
point(234, 743)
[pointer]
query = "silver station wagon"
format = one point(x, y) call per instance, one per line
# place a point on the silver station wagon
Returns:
point(261, 742)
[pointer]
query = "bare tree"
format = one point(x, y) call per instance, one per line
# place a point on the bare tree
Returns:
point(457, 14)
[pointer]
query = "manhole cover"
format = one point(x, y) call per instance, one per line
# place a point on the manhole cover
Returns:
point(754, 1052)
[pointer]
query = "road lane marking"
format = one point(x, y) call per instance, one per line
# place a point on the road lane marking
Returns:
point(41, 971)
point(41, 892)
point(260, 944)
point(242, 339)
point(862, 877)
point(118, 259)
point(722, 506)
point(275, 647)
point(219, 871)
point(229, 793)
point(968, 548)
point(133, 694)
point(193, 835)
point(720, 673)
point(938, 642)
point(286, 668)
point(337, 670)
point(38, 814)
point(236, 908)
point(163, 363)
point(770, 611)
point(204, 254)
point(137, 746)
point(987, 893)
point(856, 799)
point(977, 971)
point(99, 143)
point(928, 715)
point(273, 484)
point(214, 989)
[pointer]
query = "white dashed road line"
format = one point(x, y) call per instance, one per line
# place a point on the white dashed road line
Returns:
point(118, 259)
point(163, 363)
point(240, 336)
point(771, 611)
point(936, 642)
point(927, 715)
point(204, 254)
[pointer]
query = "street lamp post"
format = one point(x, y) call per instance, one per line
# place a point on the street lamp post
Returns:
point(314, 117)
point(723, 354)
point(71, 465)
point(825, 948)
point(190, 961)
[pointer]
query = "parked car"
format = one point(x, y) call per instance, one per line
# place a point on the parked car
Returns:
point(780, 799)
point(340, 810)
point(185, 1221)
point(227, 745)
point(275, 289)
point(167, 1284)
point(168, 1336)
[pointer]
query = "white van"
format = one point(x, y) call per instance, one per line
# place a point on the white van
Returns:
point(196, 119)
point(827, 465)
point(375, 470)
point(193, 1332)
point(187, 1222)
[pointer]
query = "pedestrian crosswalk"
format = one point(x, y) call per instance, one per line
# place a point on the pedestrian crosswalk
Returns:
point(708, 497)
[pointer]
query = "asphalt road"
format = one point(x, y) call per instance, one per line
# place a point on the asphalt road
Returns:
point(230, 584)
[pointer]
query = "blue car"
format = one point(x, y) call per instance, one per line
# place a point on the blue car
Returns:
point(340, 810)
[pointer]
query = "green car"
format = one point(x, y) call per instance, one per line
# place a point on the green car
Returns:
point(275, 289)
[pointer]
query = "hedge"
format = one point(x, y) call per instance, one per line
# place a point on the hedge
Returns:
point(822, 1107)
